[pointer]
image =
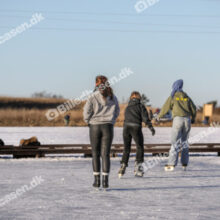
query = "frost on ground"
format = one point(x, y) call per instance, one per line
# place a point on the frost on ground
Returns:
point(66, 192)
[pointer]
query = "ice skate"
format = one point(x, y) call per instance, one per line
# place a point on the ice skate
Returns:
point(105, 184)
point(184, 167)
point(121, 172)
point(139, 170)
point(169, 168)
point(97, 181)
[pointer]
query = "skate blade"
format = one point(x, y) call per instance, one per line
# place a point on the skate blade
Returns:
point(169, 169)
point(139, 175)
point(97, 189)
point(184, 169)
point(105, 189)
point(120, 176)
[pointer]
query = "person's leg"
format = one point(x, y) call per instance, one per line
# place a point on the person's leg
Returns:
point(176, 141)
point(95, 139)
point(127, 145)
point(106, 142)
point(139, 140)
point(107, 137)
point(185, 136)
point(137, 135)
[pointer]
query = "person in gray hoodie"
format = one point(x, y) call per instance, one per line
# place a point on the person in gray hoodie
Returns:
point(100, 113)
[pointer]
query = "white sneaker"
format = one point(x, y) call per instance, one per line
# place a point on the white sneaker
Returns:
point(139, 170)
point(169, 168)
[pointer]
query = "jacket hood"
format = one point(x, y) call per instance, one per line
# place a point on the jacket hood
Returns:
point(104, 102)
point(177, 87)
point(134, 102)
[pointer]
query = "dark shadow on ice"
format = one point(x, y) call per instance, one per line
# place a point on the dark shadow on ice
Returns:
point(166, 188)
point(175, 177)
point(210, 170)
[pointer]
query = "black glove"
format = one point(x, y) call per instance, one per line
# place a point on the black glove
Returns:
point(152, 130)
point(157, 119)
point(192, 120)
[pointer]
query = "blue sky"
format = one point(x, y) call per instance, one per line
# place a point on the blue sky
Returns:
point(170, 40)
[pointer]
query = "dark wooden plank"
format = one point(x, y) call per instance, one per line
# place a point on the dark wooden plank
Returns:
point(86, 149)
point(67, 151)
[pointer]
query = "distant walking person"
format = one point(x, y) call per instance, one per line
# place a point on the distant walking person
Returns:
point(67, 120)
point(101, 112)
point(2, 142)
point(184, 114)
point(135, 114)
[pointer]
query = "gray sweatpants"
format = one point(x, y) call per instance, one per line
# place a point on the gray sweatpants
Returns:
point(179, 140)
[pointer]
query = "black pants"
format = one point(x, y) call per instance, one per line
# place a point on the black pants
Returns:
point(101, 137)
point(134, 132)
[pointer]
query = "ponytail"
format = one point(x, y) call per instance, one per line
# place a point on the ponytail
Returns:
point(103, 86)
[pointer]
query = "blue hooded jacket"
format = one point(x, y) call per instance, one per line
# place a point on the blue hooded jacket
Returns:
point(177, 87)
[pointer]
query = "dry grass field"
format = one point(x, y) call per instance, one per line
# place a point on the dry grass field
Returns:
point(32, 112)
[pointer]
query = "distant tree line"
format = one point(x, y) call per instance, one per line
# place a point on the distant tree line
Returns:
point(45, 94)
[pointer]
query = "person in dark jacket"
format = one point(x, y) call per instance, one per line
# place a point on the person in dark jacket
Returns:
point(100, 113)
point(135, 114)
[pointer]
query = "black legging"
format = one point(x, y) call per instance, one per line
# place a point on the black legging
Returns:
point(101, 137)
point(134, 132)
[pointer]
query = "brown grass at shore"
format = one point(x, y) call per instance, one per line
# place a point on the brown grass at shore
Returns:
point(20, 113)
point(36, 117)
point(32, 103)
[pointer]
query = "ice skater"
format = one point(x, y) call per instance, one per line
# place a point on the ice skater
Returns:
point(184, 114)
point(135, 114)
point(100, 113)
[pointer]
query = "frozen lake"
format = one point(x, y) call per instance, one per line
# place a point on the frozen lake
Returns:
point(66, 192)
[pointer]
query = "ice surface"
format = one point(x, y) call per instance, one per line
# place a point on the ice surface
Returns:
point(67, 194)
point(76, 135)
point(67, 190)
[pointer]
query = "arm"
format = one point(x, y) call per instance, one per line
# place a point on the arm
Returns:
point(88, 111)
point(117, 109)
point(166, 107)
point(193, 109)
point(145, 116)
point(146, 119)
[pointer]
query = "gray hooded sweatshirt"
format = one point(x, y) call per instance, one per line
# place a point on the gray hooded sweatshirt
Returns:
point(97, 110)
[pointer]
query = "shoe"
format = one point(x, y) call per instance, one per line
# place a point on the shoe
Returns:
point(138, 170)
point(169, 168)
point(105, 184)
point(184, 167)
point(97, 181)
point(121, 172)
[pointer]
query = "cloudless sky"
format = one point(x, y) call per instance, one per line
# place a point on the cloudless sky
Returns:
point(79, 39)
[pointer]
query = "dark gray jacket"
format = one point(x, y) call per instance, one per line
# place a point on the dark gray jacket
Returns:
point(136, 113)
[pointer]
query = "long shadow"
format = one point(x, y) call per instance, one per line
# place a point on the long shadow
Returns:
point(211, 170)
point(173, 177)
point(176, 177)
point(165, 188)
